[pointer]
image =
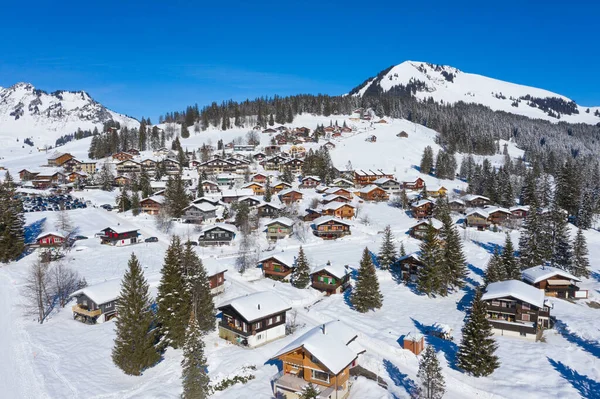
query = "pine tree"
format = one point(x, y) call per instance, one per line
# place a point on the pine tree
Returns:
point(12, 222)
point(427, 161)
point(145, 186)
point(430, 374)
point(135, 203)
point(476, 354)
point(495, 269)
point(309, 391)
point(173, 297)
point(562, 252)
point(301, 273)
point(199, 289)
point(510, 265)
point(387, 253)
point(134, 349)
point(429, 276)
point(268, 192)
point(176, 199)
point(194, 376)
point(402, 250)
point(366, 295)
point(453, 260)
point(106, 178)
point(581, 264)
point(123, 200)
point(200, 189)
point(531, 243)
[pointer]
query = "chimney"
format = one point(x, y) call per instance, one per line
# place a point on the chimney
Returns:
point(323, 328)
point(259, 306)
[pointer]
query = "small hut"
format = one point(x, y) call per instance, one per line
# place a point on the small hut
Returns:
point(402, 134)
point(414, 342)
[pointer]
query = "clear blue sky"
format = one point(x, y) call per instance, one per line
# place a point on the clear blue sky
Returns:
point(146, 58)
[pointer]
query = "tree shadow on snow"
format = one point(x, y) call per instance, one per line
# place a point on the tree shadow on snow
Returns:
point(347, 298)
point(477, 270)
point(591, 347)
point(587, 387)
point(449, 348)
point(488, 246)
point(596, 276)
point(399, 378)
point(465, 302)
point(33, 230)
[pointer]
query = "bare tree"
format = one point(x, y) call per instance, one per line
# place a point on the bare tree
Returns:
point(63, 221)
point(253, 138)
point(163, 221)
point(314, 203)
point(301, 231)
point(248, 254)
point(63, 282)
point(36, 290)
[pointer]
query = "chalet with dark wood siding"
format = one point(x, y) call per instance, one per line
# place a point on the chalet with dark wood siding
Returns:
point(554, 281)
point(331, 279)
point(50, 239)
point(478, 218)
point(497, 215)
point(391, 186)
point(268, 210)
point(373, 193)
point(259, 178)
point(273, 162)
point(58, 159)
point(519, 212)
point(475, 201)
point(97, 303)
point(210, 187)
point(251, 201)
point(279, 228)
point(416, 184)
point(122, 181)
point(290, 196)
point(312, 214)
point(149, 165)
point(294, 165)
point(152, 205)
point(409, 266)
point(216, 275)
point(254, 319)
point(457, 205)
point(129, 166)
point(419, 229)
point(345, 183)
point(310, 182)
point(171, 166)
point(323, 357)
point(122, 156)
point(278, 266)
point(365, 178)
point(517, 309)
point(119, 235)
point(199, 213)
point(330, 228)
point(26, 175)
point(217, 235)
point(422, 209)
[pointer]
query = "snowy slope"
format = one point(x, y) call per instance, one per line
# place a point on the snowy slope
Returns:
point(28, 112)
point(450, 85)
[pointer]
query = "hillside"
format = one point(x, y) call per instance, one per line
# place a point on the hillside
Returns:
point(27, 112)
point(449, 85)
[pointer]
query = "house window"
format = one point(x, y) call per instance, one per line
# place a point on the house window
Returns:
point(525, 306)
point(269, 321)
point(277, 319)
point(495, 303)
point(523, 334)
point(320, 375)
point(258, 325)
point(525, 317)
point(108, 305)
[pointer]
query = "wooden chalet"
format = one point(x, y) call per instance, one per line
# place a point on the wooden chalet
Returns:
point(515, 308)
point(330, 279)
point(199, 213)
point(312, 214)
point(344, 183)
point(152, 205)
point(339, 210)
point(365, 178)
point(272, 149)
point(258, 188)
point(457, 205)
point(409, 266)
point(297, 151)
point(419, 229)
point(475, 201)
point(26, 175)
point(259, 156)
point(280, 186)
point(437, 191)
point(310, 182)
point(58, 159)
point(391, 186)
point(323, 356)
point(217, 235)
point(294, 165)
point(268, 210)
point(328, 199)
point(122, 181)
point(373, 193)
point(330, 228)
point(519, 212)
point(279, 228)
point(128, 166)
point(414, 342)
point(97, 303)
point(215, 271)
point(119, 235)
point(290, 196)
point(172, 166)
point(71, 165)
point(260, 178)
point(422, 209)
point(279, 266)
point(122, 156)
point(50, 240)
point(148, 165)
point(254, 319)
point(251, 201)
point(416, 184)
point(230, 196)
point(210, 187)
point(274, 162)
point(554, 281)
point(77, 177)
point(497, 215)
point(478, 218)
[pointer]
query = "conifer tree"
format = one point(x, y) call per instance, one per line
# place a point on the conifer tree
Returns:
point(135, 203)
point(387, 253)
point(134, 349)
point(366, 295)
point(145, 186)
point(301, 273)
point(510, 265)
point(173, 297)
point(476, 353)
point(402, 250)
point(430, 374)
point(309, 391)
point(562, 252)
point(531, 246)
point(453, 260)
point(268, 192)
point(199, 289)
point(581, 264)
point(429, 276)
point(123, 201)
point(12, 222)
point(495, 269)
point(200, 189)
point(427, 160)
point(194, 376)
point(106, 178)
point(176, 199)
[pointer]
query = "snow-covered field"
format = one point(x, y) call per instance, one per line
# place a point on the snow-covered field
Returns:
point(63, 358)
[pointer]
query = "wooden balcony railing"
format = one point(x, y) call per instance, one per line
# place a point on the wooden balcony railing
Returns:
point(85, 312)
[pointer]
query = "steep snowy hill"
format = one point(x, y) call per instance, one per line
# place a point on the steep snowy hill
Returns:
point(29, 112)
point(450, 85)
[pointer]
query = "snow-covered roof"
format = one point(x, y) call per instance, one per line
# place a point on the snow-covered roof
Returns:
point(156, 198)
point(250, 197)
point(479, 212)
point(369, 188)
point(332, 197)
point(271, 204)
point(48, 233)
point(253, 183)
point(341, 180)
point(224, 226)
point(325, 219)
point(278, 182)
point(456, 201)
point(213, 266)
point(288, 191)
point(101, 293)
point(435, 188)
point(422, 202)
point(383, 180)
point(328, 343)
point(516, 289)
point(437, 224)
point(335, 205)
point(333, 190)
point(316, 178)
point(158, 184)
point(122, 228)
point(282, 220)
point(336, 270)
point(494, 209)
point(202, 206)
point(243, 192)
point(413, 255)
point(257, 305)
point(286, 258)
point(519, 208)
point(471, 197)
point(536, 274)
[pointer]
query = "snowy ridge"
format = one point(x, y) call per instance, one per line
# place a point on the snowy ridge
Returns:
point(29, 112)
point(450, 85)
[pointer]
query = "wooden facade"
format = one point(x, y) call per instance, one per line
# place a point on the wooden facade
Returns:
point(277, 267)
point(416, 184)
point(217, 235)
point(290, 196)
point(364, 178)
point(330, 228)
point(373, 193)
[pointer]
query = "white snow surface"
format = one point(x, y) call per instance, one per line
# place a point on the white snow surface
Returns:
point(257, 305)
point(102, 292)
point(516, 289)
point(539, 273)
point(473, 88)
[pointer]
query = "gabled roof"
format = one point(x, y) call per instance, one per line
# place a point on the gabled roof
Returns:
point(332, 197)
point(121, 228)
point(471, 197)
point(156, 198)
point(277, 183)
point(102, 293)
point(342, 180)
point(257, 305)
point(456, 201)
point(413, 255)
point(49, 233)
point(332, 190)
point(202, 206)
point(434, 222)
point(316, 178)
point(336, 270)
point(325, 219)
point(334, 205)
point(210, 200)
point(494, 209)
point(225, 226)
point(289, 191)
point(422, 202)
point(213, 266)
point(479, 212)
point(282, 220)
point(270, 204)
point(536, 274)
point(286, 258)
point(328, 343)
point(520, 208)
point(253, 183)
point(383, 180)
point(369, 188)
point(243, 192)
point(516, 289)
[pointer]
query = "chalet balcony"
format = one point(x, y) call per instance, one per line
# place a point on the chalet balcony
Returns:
point(279, 273)
point(331, 234)
point(324, 286)
point(237, 330)
point(85, 312)
point(502, 309)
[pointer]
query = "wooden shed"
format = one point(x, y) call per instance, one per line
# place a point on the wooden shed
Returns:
point(414, 342)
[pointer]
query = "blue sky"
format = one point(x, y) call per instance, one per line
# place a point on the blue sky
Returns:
point(146, 58)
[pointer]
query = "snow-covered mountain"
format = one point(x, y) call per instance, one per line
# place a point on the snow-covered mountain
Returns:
point(29, 112)
point(450, 85)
